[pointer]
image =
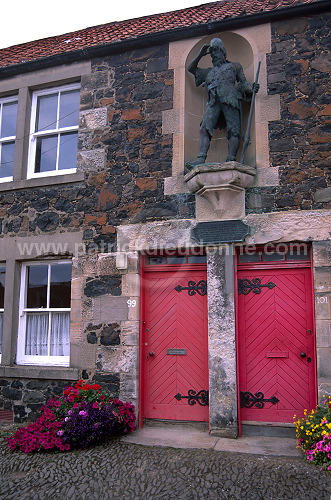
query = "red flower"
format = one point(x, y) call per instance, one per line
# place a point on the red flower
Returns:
point(79, 384)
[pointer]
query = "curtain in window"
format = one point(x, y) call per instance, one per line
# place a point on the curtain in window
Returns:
point(60, 334)
point(37, 327)
point(1, 323)
point(36, 334)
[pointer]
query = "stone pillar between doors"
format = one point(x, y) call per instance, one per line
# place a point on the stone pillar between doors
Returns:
point(222, 342)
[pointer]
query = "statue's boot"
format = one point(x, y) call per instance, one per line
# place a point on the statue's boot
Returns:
point(191, 164)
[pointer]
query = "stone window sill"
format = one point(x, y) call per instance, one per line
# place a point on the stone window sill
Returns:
point(42, 181)
point(40, 372)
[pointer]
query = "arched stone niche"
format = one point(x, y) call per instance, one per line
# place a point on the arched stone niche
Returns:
point(239, 50)
point(247, 46)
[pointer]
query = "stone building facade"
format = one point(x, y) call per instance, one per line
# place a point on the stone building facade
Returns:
point(128, 198)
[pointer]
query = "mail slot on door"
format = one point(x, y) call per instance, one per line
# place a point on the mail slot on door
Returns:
point(178, 352)
point(277, 354)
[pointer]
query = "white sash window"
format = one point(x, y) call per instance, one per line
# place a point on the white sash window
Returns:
point(45, 314)
point(8, 117)
point(54, 131)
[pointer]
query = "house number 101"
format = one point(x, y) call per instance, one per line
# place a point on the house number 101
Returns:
point(132, 303)
point(322, 300)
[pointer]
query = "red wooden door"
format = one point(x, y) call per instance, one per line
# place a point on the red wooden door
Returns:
point(174, 330)
point(276, 344)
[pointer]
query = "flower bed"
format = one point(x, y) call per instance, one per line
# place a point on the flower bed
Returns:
point(84, 415)
point(314, 434)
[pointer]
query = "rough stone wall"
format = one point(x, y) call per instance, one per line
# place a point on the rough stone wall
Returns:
point(122, 104)
point(122, 150)
point(125, 156)
point(104, 329)
point(25, 397)
point(298, 71)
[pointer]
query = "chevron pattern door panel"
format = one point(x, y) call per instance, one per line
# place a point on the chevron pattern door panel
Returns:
point(276, 345)
point(174, 348)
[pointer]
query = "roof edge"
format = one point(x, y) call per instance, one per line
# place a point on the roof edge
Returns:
point(175, 34)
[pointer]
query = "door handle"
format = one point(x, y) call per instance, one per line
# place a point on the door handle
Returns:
point(304, 355)
point(150, 354)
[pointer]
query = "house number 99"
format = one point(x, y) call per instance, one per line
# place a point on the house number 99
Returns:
point(132, 303)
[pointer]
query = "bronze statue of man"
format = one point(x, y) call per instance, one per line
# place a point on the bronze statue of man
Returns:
point(227, 87)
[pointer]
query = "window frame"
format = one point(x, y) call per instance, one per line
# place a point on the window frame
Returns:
point(2, 309)
point(11, 138)
point(34, 135)
point(27, 359)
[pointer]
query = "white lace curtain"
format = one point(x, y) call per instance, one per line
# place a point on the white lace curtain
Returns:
point(47, 334)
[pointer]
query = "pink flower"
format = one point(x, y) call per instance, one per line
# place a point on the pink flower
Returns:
point(83, 413)
point(95, 405)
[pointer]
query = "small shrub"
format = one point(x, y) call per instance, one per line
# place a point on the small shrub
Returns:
point(82, 416)
point(313, 432)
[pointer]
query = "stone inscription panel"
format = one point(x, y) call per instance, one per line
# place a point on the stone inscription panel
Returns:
point(227, 231)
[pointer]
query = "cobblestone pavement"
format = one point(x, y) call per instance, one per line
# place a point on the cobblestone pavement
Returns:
point(132, 472)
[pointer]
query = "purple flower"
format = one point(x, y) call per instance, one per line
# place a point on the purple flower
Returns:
point(59, 433)
point(83, 413)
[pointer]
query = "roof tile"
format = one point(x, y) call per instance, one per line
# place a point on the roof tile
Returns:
point(133, 28)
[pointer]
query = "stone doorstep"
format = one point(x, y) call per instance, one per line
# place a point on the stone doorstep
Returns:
point(188, 424)
point(268, 429)
point(194, 435)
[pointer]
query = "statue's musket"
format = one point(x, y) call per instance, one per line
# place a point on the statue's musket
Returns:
point(247, 138)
